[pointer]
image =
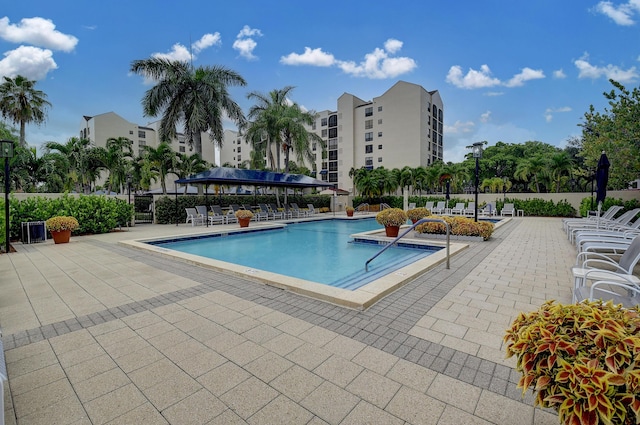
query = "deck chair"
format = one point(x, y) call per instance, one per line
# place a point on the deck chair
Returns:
point(229, 216)
point(312, 210)
point(624, 220)
point(607, 215)
point(471, 209)
point(508, 209)
point(296, 210)
point(411, 206)
point(458, 209)
point(597, 266)
point(626, 294)
point(213, 219)
point(275, 209)
point(194, 217)
point(258, 215)
point(489, 209)
point(439, 208)
point(429, 206)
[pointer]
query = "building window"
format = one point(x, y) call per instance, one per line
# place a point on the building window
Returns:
point(379, 108)
point(333, 177)
point(131, 132)
point(333, 166)
point(239, 158)
point(368, 111)
point(368, 161)
point(333, 144)
point(239, 149)
point(368, 124)
point(142, 143)
point(239, 141)
point(325, 132)
point(323, 122)
point(379, 147)
point(379, 159)
point(142, 134)
point(368, 148)
point(333, 132)
point(379, 133)
point(234, 150)
point(435, 111)
point(313, 146)
point(333, 121)
point(181, 149)
point(368, 136)
point(313, 126)
point(333, 155)
point(380, 121)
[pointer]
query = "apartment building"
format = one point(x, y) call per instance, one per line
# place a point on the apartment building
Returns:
point(402, 127)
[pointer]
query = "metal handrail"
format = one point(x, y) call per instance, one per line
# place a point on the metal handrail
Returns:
point(362, 207)
point(384, 206)
point(422, 220)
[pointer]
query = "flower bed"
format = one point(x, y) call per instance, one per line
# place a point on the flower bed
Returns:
point(416, 214)
point(460, 226)
point(391, 217)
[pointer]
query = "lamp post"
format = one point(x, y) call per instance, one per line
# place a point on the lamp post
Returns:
point(6, 146)
point(129, 186)
point(477, 154)
point(504, 189)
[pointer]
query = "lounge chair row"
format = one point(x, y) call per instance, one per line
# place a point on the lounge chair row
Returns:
point(216, 215)
point(461, 208)
point(608, 253)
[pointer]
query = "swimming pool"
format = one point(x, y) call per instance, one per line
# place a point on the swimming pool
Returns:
point(317, 251)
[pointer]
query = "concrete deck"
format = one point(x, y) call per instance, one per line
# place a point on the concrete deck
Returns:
point(98, 333)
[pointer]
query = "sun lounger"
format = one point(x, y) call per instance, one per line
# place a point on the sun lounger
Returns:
point(194, 217)
point(607, 215)
point(311, 209)
point(458, 209)
point(229, 216)
point(508, 209)
point(296, 210)
point(440, 208)
point(471, 209)
point(489, 209)
point(623, 220)
point(429, 206)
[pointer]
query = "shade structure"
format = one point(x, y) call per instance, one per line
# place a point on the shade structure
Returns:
point(234, 176)
point(602, 177)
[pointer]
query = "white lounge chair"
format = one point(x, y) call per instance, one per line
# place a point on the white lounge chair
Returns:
point(440, 208)
point(471, 209)
point(627, 294)
point(429, 206)
point(229, 216)
point(508, 209)
point(311, 209)
point(458, 209)
point(194, 217)
point(607, 215)
point(411, 206)
point(489, 210)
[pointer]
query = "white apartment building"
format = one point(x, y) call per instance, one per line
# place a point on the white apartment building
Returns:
point(402, 127)
point(99, 128)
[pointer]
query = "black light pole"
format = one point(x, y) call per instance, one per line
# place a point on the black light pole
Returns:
point(477, 154)
point(129, 186)
point(7, 152)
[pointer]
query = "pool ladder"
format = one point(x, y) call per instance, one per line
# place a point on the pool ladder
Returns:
point(413, 226)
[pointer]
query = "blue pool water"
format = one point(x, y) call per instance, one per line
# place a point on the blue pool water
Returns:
point(319, 251)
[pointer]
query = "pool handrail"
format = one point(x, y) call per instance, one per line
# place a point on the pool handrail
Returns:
point(362, 207)
point(422, 220)
point(384, 206)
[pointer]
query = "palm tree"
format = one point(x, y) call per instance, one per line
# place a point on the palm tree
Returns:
point(197, 98)
point(187, 165)
point(114, 159)
point(82, 161)
point(22, 103)
point(560, 164)
point(162, 160)
point(530, 167)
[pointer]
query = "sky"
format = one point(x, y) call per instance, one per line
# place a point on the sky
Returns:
point(509, 71)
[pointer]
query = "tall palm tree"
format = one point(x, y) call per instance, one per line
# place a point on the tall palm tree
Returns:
point(197, 98)
point(531, 167)
point(21, 103)
point(161, 159)
point(187, 165)
point(561, 164)
point(114, 158)
point(82, 161)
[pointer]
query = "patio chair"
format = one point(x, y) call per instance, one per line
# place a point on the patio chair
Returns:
point(623, 221)
point(194, 217)
point(439, 208)
point(411, 206)
point(627, 294)
point(607, 215)
point(258, 214)
point(429, 206)
point(471, 209)
point(458, 209)
point(296, 210)
point(598, 266)
point(489, 210)
point(275, 209)
point(508, 209)
point(229, 216)
point(312, 210)
point(213, 219)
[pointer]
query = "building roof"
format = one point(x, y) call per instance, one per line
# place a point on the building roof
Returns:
point(235, 176)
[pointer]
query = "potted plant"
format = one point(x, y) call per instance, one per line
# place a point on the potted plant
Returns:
point(350, 211)
point(581, 359)
point(244, 217)
point(61, 228)
point(416, 214)
point(391, 219)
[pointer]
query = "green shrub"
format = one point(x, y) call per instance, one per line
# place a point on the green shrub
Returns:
point(586, 205)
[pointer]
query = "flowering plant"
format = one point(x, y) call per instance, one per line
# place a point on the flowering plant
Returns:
point(350, 209)
point(240, 214)
point(60, 223)
point(391, 217)
point(459, 226)
point(581, 359)
point(416, 214)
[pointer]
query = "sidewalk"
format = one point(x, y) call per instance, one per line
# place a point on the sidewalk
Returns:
point(97, 333)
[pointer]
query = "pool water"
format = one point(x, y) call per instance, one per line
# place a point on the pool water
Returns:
point(318, 251)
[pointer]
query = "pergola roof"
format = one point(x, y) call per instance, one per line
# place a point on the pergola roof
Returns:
point(235, 176)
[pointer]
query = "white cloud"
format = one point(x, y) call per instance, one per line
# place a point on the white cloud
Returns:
point(559, 74)
point(525, 75)
point(245, 43)
point(31, 62)
point(376, 65)
point(548, 113)
point(313, 57)
point(180, 52)
point(493, 93)
point(459, 127)
point(485, 117)
point(37, 31)
point(473, 80)
point(587, 70)
point(622, 14)
point(477, 79)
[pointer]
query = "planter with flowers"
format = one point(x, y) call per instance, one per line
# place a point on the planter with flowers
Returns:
point(350, 211)
point(416, 214)
point(581, 359)
point(61, 228)
point(244, 217)
point(392, 219)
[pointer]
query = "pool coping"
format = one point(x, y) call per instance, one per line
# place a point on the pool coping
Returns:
point(359, 299)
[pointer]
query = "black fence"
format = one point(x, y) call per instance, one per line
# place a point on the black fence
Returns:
point(143, 209)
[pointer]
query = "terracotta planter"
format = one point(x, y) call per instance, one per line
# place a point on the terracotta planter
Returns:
point(61, 236)
point(414, 221)
point(349, 213)
point(392, 231)
point(244, 222)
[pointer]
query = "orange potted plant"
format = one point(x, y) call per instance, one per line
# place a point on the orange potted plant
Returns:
point(61, 228)
point(392, 219)
point(350, 211)
point(244, 217)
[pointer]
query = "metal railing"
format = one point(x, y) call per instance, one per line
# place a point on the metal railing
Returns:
point(362, 207)
point(384, 206)
point(422, 220)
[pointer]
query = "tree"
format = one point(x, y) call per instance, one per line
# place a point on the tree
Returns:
point(82, 162)
point(114, 159)
point(617, 132)
point(187, 165)
point(162, 160)
point(560, 165)
point(21, 103)
point(531, 167)
point(197, 98)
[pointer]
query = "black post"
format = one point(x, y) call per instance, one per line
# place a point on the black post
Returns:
point(6, 203)
point(593, 177)
point(476, 189)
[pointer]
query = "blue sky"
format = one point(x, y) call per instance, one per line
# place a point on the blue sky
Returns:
point(507, 71)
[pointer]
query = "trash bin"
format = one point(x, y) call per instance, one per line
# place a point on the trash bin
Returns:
point(33, 232)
